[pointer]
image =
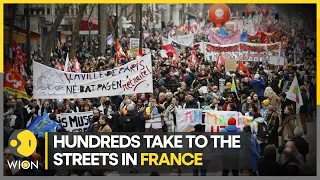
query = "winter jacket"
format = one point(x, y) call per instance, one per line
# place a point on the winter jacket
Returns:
point(258, 87)
point(104, 128)
point(254, 125)
point(255, 153)
point(227, 152)
point(129, 122)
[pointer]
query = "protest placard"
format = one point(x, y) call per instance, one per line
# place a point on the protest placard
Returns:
point(133, 77)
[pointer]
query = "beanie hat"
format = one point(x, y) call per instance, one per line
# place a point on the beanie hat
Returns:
point(256, 76)
point(232, 121)
point(266, 102)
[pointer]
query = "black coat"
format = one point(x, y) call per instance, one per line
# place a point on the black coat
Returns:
point(129, 122)
point(269, 168)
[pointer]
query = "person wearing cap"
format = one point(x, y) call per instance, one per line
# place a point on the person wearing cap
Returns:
point(258, 86)
point(264, 109)
point(230, 157)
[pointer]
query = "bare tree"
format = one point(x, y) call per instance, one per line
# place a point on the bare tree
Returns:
point(90, 26)
point(76, 29)
point(123, 7)
point(52, 34)
point(138, 20)
point(11, 26)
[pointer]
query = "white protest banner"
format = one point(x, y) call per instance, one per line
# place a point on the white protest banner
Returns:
point(133, 77)
point(187, 118)
point(134, 45)
point(244, 51)
point(186, 40)
point(75, 121)
point(214, 121)
point(145, 51)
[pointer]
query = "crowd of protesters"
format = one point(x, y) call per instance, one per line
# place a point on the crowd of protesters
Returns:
point(262, 96)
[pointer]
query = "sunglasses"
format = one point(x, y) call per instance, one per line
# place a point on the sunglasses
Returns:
point(7, 154)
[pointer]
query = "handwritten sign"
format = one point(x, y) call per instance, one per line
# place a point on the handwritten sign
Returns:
point(214, 121)
point(133, 77)
point(75, 121)
point(230, 65)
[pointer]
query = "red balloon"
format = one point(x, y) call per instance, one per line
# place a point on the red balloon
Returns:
point(219, 13)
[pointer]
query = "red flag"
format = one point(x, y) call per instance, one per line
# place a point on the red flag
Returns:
point(8, 66)
point(19, 52)
point(76, 65)
point(16, 64)
point(14, 84)
point(220, 61)
point(194, 59)
point(171, 52)
point(119, 51)
point(241, 67)
point(140, 54)
point(59, 66)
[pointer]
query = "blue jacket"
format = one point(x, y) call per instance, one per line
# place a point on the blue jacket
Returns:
point(230, 129)
point(227, 152)
point(258, 86)
point(255, 153)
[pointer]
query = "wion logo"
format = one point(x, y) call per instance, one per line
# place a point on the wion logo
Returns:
point(23, 143)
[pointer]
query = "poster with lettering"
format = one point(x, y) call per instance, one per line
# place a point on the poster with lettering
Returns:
point(133, 77)
point(244, 51)
point(230, 65)
point(134, 46)
point(75, 121)
point(214, 121)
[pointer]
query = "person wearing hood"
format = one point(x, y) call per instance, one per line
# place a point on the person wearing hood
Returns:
point(258, 86)
point(275, 101)
point(230, 157)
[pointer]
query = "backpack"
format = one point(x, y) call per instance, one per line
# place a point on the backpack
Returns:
point(262, 133)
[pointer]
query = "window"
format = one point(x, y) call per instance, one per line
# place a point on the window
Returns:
point(48, 11)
